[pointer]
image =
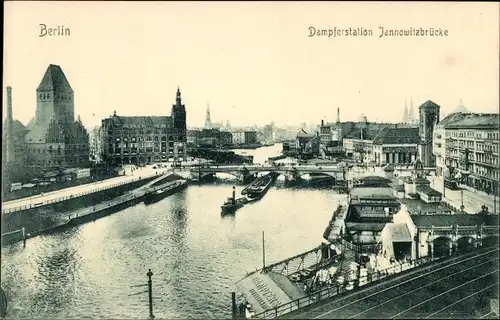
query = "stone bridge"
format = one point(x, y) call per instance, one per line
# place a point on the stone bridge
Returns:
point(449, 240)
point(247, 172)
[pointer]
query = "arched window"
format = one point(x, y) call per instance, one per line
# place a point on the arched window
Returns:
point(48, 95)
point(41, 96)
point(156, 138)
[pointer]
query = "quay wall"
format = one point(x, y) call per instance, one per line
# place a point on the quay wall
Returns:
point(47, 216)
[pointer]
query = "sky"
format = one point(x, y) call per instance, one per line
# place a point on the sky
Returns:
point(254, 62)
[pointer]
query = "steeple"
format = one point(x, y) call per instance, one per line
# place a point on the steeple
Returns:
point(178, 99)
point(338, 115)
point(208, 121)
point(405, 113)
point(411, 113)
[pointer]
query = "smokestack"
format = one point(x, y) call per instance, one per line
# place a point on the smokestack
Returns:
point(234, 193)
point(322, 122)
point(9, 133)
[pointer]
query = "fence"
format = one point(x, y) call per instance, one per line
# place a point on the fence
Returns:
point(81, 194)
point(333, 290)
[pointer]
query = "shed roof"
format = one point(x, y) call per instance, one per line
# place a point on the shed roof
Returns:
point(444, 220)
point(399, 232)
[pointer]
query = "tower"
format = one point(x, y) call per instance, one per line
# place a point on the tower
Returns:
point(338, 115)
point(9, 133)
point(428, 118)
point(179, 114)
point(405, 113)
point(411, 113)
point(208, 121)
point(54, 97)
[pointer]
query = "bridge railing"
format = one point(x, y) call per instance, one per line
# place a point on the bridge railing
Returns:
point(336, 289)
point(81, 194)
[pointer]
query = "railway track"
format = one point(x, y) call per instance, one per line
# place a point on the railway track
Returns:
point(458, 288)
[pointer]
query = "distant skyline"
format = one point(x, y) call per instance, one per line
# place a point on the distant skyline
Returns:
point(253, 62)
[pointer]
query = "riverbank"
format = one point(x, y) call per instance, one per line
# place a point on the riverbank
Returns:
point(64, 220)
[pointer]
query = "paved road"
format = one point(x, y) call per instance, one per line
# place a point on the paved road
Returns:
point(90, 187)
point(453, 290)
point(472, 200)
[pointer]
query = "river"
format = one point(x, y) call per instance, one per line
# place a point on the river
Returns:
point(196, 255)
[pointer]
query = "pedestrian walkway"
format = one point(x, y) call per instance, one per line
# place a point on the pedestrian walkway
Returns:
point(77, 191)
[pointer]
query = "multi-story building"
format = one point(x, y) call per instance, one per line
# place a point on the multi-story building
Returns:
point(396, 146)
point(245, 137)
point(439, 144)
point(428, 118)
point(52, 139)
point(307, 145)
point(95, 144)
point(143, 139)
point(209, 138)
point(472, 150)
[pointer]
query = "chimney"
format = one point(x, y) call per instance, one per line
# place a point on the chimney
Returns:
point(322, 122)
point(9, 133)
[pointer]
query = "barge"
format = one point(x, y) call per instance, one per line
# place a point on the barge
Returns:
point(260, 187)
point(163, 191)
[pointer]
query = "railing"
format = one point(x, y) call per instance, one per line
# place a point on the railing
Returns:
point(81, 194)
point(333, 290)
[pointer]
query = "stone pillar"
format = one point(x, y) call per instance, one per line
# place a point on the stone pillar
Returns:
point(396, 158)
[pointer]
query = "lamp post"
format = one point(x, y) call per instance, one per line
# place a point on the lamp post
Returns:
point(150, 291)
point(462, 200)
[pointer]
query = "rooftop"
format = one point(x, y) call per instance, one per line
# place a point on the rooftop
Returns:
point(399, 232)
point(141, 121)
point(429, 191)
point(416, 206)
point(429, 105)
point(397, 136)
point(476, 120)
point(446, 220)
point(54, 80)
point(372, 192)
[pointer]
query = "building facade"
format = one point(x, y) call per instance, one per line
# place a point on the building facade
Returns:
point(95, 145)
point(396, 146)
point(245, 137)
point(52, 139)
point(137, 140)
point(428, 118)
point(472, 150)
point(209, 138)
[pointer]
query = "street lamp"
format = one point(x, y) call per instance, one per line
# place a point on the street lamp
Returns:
point(462, 200)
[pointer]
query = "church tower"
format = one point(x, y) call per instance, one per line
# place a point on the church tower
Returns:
point(405, 113)
point(179, 115)
point(208, 121)
point(54, 98)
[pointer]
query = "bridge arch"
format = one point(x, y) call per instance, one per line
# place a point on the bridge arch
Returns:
point(442, 246)
point(466, 244)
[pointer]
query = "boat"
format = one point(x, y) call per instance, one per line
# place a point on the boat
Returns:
point(232, 204)
point(164, 191)
point(259, 187)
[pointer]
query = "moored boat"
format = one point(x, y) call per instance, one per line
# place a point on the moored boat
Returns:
point(259, 187)
point(164, 191)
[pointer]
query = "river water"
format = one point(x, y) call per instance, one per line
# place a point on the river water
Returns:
point(195, 254)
